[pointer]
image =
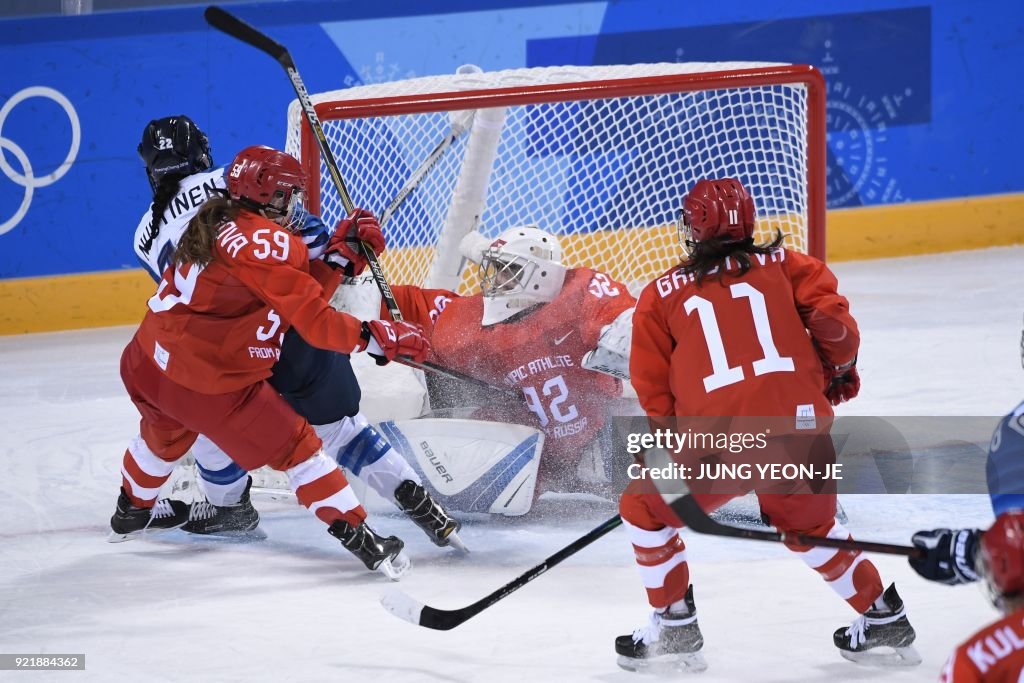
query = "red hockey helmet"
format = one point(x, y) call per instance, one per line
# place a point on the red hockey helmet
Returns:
point(267, 180)
point(1002, 552)
point(718, 208)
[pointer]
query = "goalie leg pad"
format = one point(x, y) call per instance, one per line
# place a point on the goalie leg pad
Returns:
point(472, 465)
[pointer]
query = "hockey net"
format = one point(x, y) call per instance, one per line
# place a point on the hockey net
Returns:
point(600, 155)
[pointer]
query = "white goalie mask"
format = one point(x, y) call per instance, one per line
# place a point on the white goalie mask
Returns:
point(520, 269)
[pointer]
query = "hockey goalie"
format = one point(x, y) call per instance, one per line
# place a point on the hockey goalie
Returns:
point(556, 338)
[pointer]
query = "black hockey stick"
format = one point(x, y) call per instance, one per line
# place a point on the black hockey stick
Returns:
point(235, 27)
point(405, 607)
point(693, 516)
point(507, 392)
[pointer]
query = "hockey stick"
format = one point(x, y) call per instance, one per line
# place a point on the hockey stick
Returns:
point(683, 504)
point(696, 519)
point(507, 392)
point(235, 27)
point(405, 607)
point(409, 609)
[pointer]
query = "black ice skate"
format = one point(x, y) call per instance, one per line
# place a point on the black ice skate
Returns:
point(376, 552)
point(229, 520)
point(129, 521)
point(670, 642)
point(880, 637)
point(427, 514)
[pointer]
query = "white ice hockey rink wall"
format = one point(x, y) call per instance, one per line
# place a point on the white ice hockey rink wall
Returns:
point(600, 155)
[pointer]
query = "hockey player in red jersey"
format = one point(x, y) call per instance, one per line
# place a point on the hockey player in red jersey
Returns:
point(741, 329)
point(200, 359)
point(995, 654)
point(530, 328)
point(319, 384)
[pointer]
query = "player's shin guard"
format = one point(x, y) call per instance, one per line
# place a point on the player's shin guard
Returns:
point(848, 572)
point(361, 450)
point(364, 452)
point(220, 480)
point(661, 559)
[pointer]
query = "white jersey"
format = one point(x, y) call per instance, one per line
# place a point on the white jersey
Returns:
point(155, 251)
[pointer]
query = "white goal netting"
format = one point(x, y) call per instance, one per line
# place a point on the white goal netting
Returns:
point(599, 155)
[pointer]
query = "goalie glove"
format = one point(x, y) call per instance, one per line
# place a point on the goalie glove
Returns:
point(948, 555)
point(385, 340)
point(612, 353)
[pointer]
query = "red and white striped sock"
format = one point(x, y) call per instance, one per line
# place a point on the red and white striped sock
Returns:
point(661, 559)
point(848, 572)
point(143, 473)
point(321, 486)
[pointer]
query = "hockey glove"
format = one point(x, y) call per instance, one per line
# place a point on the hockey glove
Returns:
point(345, 251)
point(385, 340)
point(949, 555)
point(842, 382)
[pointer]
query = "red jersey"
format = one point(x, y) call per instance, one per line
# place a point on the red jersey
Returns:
point(538, 353)
point(745, 345)
point(219, 328)
point(995, 654)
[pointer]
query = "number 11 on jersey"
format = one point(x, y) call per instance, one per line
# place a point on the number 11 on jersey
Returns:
point(722, 374)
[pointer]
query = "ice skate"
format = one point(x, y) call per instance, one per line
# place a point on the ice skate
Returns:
point(669, 643)
point(427, 514)
point(376, 552)
point(239, 519)
point(129, 521)
point(880, 637)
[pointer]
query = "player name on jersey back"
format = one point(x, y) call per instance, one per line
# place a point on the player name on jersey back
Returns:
point(676, 279)
point(154, 245)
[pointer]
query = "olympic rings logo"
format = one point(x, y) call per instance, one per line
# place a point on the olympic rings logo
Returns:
point(27, 179)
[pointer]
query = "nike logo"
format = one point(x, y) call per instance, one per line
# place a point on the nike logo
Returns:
point(562, 339)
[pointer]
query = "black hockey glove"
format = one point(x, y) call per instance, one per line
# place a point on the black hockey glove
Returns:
point(949, 555)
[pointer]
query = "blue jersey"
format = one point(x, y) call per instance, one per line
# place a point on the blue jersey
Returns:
point(1005, 466)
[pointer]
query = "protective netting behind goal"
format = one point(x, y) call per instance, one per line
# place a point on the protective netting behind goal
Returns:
point(601, 156)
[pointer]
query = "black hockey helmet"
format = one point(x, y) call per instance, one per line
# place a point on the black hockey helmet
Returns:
point(174, 145)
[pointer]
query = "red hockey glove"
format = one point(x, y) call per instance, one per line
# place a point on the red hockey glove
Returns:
point(344, 250)
point(384, 340)
point(842, 382)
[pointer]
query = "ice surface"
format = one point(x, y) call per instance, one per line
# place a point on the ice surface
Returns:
point(940, 338)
